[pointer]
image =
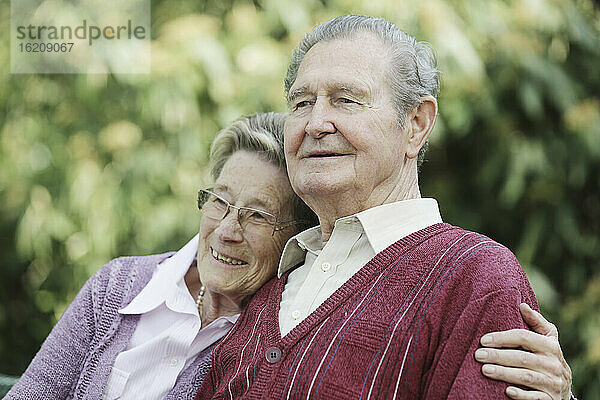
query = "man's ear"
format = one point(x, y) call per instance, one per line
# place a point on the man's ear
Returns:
point(421, 124)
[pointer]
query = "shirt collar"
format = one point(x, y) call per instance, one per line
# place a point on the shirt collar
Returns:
point(229, 318)
point(383, 225)
point(296, 247)
point(167, 275)
point(388, 223)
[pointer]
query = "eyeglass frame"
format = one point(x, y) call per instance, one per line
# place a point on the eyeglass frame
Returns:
point(277, 226)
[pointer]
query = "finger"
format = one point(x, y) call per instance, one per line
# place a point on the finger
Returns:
point(517, 358)
point(521, 338)
point(520, 394)
point(524, 377)
point(557, 374)
point(537, 322)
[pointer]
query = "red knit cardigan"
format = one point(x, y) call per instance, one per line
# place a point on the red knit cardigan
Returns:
point(405, 326)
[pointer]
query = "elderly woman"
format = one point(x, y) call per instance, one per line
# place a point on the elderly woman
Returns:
point(144, 327)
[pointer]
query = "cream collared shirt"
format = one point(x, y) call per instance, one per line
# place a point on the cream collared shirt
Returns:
point(354, 241)
point(167, 337)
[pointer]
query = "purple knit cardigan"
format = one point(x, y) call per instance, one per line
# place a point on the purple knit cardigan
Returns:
point(75, 360)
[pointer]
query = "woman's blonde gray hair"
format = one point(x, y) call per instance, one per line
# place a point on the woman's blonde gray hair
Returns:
point(260, 133)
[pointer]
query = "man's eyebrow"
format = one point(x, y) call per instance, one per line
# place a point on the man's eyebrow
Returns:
point(294, 94)
point(334, 87)
point(350, 89)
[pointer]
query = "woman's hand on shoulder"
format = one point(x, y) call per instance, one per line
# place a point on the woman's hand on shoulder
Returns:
point(531, 359)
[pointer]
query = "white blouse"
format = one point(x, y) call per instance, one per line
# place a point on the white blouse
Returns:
point(168, 337)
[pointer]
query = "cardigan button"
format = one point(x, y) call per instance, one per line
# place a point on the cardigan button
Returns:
point(273, 355)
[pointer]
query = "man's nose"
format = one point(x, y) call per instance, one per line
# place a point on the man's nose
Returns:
point(229, 229)
point(321, 119)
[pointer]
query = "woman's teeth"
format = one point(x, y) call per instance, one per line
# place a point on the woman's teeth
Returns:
point(226, 259)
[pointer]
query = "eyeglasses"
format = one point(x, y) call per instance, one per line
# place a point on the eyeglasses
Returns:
point(216, 207)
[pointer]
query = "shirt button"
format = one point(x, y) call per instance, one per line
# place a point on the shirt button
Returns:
point(325, 267)
point(273, 355)
point(173, 362)
point(296, 314)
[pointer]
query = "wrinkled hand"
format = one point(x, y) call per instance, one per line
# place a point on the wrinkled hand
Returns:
point(540, 367)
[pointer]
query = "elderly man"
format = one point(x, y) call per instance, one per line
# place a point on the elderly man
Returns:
point(382, 300)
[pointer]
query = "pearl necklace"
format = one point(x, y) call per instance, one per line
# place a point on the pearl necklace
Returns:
point(200, 299)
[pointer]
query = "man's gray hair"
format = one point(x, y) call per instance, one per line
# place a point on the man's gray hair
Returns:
point(260, 133)
point(413, 73)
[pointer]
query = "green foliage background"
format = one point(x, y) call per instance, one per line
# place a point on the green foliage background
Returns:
point(97, 166)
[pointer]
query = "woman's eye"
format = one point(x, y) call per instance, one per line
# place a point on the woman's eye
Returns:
point(219, 202)
point(346, 100)
point(258, 216)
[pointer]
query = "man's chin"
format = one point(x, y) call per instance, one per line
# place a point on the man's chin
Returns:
point(320, 184)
